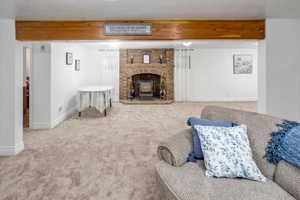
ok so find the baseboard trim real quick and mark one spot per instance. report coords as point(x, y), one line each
point(11, 150)
point(63, 117)
point(221, 100)
point(40, 126)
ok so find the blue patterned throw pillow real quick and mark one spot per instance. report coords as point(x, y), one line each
point(227, 152)
point(192, 121)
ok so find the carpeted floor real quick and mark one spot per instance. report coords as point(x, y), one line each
point(97, 158)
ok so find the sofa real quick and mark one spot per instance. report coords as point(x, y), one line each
point(181, 180)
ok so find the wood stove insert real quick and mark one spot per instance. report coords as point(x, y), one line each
point(146, 85)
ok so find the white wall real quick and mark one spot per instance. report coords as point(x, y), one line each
point(211, 76)
point(262, 75)
point(55, 84)
point(65, 81)
point(104, 69)
point(11, 89)
point(282, 68)
point(40, 107)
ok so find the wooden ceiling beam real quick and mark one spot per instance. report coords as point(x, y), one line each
point(161, 30)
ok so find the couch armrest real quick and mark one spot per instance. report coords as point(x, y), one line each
point(176, 149)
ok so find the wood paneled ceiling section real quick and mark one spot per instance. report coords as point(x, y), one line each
point(161, 30)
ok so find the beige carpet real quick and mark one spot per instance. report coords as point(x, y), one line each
point(97, 158)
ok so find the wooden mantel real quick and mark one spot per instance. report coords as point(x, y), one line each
point(162, 30)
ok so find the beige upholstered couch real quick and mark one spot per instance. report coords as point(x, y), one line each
point(179, 180)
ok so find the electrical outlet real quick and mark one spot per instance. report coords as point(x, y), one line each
point(60, 108)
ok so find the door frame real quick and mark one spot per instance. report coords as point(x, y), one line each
point(26, 46)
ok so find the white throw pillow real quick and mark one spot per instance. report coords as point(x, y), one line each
point(227, 152)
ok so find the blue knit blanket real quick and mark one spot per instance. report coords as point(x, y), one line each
point(284, 144)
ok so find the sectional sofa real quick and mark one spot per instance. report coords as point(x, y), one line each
point(179, 180)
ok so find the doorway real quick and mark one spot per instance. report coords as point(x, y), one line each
point(26, 85)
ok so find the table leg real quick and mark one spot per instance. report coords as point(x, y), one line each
point(104, 96)
point(110, 103)
point(80, 105)
point(90, 96)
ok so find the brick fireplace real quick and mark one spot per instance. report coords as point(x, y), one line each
point(150, 82)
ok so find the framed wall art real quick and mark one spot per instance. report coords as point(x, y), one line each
point(69, 58)
point(242, 64)
point(77, 65)
point(146, 59)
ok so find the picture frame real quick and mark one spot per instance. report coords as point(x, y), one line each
point(77, 65)
point(69, 58)
point(242, 64)
point(146, 59)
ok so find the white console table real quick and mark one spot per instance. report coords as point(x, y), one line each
point(95, 94)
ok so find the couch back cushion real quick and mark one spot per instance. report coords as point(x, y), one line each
point(259, 131)
point(288, 177)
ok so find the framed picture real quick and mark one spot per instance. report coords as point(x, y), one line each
point(146, 59)
point(77, 65)
point(69, 58)
point(242, 64)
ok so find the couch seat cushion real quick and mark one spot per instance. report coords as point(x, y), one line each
point(190, 183)
point(288, 177)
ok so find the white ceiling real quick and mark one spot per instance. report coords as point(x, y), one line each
point(238, 44)
point(147, 9)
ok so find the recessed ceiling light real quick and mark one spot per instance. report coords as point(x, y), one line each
point(187, 44)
